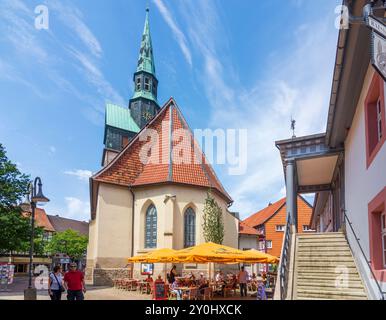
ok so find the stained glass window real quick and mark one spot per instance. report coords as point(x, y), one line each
point(151, 228)
point(189, 228)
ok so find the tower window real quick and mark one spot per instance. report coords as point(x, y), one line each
point(138, 85)
point(147, 84)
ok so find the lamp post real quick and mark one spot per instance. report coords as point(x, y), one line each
point(34, 196)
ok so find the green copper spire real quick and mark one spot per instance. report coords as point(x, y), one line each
point(146, 58)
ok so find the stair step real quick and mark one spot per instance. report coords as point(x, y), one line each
point(323, 254)
point(324, 264)
point(331, 259)
point(347, 294)
point(330, 284)
point(329, 298)
point(325, 277)
point(320, 235)
point(319, 240)
point(331, 244)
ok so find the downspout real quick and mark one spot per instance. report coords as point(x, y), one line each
point(132, 228)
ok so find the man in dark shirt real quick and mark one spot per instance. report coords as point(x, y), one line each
point(74, 283)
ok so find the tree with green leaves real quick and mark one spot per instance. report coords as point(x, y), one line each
point(68, 242)
point(15, 228)
point(213, 226)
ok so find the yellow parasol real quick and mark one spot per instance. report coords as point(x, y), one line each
point(212, 252)
point(157, 256)
point(258, 255)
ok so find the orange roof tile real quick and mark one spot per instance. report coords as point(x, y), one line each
point(246, 229)
point(175, 159)
point(262, 216)
point(41, 219)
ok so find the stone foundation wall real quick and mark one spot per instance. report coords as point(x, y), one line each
point(105, 277)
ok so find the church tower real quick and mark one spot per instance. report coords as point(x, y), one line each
point(122, 124)
point(144, 105)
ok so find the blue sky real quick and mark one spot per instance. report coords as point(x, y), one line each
point(232, 64)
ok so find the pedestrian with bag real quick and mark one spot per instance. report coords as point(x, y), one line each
point(74, 283)
point(55, 284)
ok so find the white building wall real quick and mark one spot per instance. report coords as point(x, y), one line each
point(361, 184)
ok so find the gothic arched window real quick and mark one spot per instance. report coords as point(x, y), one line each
point(151, 227)
point(189, 228)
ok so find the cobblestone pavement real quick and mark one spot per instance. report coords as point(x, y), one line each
point(16, 292)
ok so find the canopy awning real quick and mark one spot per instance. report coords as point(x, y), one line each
point(206, 253)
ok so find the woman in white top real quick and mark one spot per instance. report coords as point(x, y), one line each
point(55, 284)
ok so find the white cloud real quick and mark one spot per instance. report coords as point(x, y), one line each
point(72, 17)
point(296, 83)
point(178, 34)
point(77, 209)
point(82, 175)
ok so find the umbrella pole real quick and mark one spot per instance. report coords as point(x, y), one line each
point(165, 271)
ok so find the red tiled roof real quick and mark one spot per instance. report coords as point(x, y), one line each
point(262, 216)
point(62, 224)
point(41, 219)
point(127, 169)
point(246, 229)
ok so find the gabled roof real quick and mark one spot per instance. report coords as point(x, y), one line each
point(120, 118)
point(127, 169)
point(41, 219)
point(62, 224)
point(246, 229)
point(262, 216)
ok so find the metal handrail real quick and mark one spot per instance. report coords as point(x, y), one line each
point(284, 262)
point(364, 255)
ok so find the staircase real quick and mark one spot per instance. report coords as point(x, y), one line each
point(325, 269)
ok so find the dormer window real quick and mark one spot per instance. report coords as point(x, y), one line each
point(147, 84)
point(138, 84)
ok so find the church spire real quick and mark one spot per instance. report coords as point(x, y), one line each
point(144, 105)
point(146, 57)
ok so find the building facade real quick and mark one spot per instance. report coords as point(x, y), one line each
point(346, 165)
point(271, 222)
point(151, 193)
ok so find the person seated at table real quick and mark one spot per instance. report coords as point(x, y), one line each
point(219, 276)
point(149, 280)
point(172, 275)
point(201, 280)
point(175, 289)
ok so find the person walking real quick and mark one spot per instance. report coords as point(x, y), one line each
point(55, 284)
point(242, 278)
point(172, 275)
point(74, 283)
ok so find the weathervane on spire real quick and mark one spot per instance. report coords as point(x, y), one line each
point(147, 6)
point(293, 124)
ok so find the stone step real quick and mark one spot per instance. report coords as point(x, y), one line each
point(311, 276)
point(332, 244)
point(332, 294)
point(343, 253)
point(328, 298)
point(320, 235)
point(325, 259)
point(324, 270)
point(324, 264)
point(321, 240)
point(331, 284)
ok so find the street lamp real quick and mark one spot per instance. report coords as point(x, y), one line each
point(33, 197)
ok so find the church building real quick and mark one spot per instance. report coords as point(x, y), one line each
point(151, 190)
